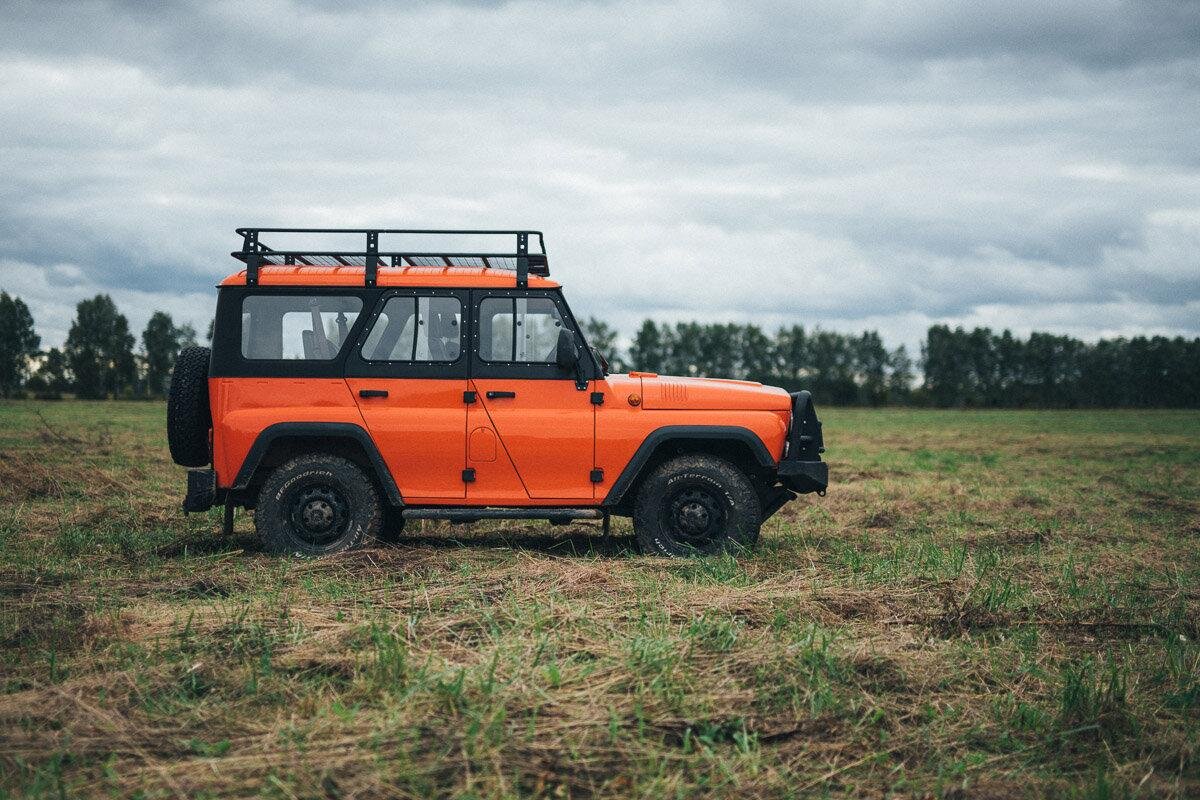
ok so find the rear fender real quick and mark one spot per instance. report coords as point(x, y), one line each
point(284, 438)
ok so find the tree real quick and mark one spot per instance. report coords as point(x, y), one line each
point(870, 368)
point(758, 355)
point(900, 376)
point(52, 375)
point(791, 353)
point(99, 349)
point(647, 352)
point(18, 343)
point(161, 342)
point(600, 336)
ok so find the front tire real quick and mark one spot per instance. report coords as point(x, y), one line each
point(315, 505)
point(696, 505)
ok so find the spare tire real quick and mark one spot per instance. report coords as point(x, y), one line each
point(188, 414)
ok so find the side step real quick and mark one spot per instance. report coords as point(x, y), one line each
point(475, 514)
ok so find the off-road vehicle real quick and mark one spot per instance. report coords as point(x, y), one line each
point(349, 389)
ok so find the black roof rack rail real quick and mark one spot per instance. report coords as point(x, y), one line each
point(255, 253)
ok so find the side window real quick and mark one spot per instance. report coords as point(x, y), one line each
point(519, 329)
point(297, 327)
point(416, 329)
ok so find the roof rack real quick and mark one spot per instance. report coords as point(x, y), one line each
point(256, 254)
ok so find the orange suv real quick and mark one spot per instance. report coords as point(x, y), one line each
point(361, 378)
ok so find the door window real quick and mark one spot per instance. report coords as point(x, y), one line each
point(519, 329)
point(416, 329)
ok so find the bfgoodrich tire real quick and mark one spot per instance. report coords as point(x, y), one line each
point(188, 414)
point(314, 505)
point(696, 505)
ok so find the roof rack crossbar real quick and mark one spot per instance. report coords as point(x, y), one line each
point(255, 254)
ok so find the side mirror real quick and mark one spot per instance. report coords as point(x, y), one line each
point(603, 361)
point(567, 353)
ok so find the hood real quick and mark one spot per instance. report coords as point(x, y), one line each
point(709, 394)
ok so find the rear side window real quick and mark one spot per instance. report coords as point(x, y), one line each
point(519, 329)
point(297, 327)
point(416, 329)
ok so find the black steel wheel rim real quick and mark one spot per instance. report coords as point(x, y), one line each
point(319, 513)
point(694, 516)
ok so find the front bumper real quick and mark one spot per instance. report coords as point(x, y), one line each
point(801, 468)
point(803, 477)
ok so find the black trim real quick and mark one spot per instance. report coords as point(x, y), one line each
point(669, 433)
point(775, 500)
point(359, 367)
point(321, 431)
point(806, 441)
point(528, 370)
point(227, 360)
point(256, 253)
point(476, 513)
point(201, 490)
point(804, 476)
point(597, 398)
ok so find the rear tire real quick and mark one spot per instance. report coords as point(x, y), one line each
point(316, 505)
point(188, 415)
point(696, 505)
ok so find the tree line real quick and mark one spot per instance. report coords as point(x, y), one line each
point(955, 368)
point(100, 358)
point(958, 367)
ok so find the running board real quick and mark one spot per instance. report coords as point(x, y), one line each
point(469, 514)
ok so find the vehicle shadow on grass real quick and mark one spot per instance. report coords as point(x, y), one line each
point(566, 544)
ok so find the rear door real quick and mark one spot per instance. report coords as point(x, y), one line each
point(546, 423)
point(408, 374)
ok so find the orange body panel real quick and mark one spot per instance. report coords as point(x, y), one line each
point(496, 480)
point(243, 407)
point(548, 432)
point(537, 448)
point(447, 277)
point(420, 429)
point(621, 426)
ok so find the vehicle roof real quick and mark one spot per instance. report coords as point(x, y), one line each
point(353, 277)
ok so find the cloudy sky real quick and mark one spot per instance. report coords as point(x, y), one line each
point(885, 165)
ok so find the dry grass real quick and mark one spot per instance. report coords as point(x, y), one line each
point(986, 605)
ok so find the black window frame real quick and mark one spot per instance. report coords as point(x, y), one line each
point(527, 370)
point(227, 360)
point(359, 367)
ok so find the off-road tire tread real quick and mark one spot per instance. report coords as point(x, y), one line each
point(743, 508)
point(360, 491)
point(188, 415)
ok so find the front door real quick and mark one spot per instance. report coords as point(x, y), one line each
point(545, 422)
point(408, 376)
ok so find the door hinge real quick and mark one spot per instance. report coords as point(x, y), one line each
point(597, 475)
point(597, 398)
point(468, 397)
point(469, 475)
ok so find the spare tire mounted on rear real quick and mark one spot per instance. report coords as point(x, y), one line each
point(188, 414)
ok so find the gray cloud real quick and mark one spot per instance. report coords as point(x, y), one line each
point(891, 165)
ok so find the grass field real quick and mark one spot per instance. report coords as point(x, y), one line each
point(987, 604)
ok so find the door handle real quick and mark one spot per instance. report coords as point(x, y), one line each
point(372, 393)
point(494, 395)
